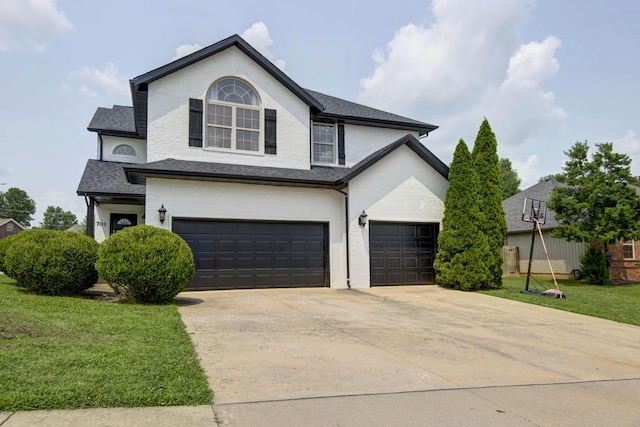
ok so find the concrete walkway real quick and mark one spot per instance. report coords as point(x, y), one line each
point(409, 356)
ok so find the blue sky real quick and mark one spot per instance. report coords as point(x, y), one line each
point(544, 73)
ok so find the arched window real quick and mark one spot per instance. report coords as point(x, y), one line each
point(233, 116)
point(125, 150)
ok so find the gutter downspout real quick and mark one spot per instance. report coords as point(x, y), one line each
point(346, 224)
point(90, 227)
point(101, 143)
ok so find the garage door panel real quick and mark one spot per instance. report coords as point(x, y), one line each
point(402, 253)
point(238, 255)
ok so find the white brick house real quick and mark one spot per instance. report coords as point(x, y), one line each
point(266, 181)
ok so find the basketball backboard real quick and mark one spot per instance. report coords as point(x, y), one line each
point(534, 209)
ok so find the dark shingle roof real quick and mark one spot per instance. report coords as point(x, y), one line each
point(513, 206)
point(107, 179)
point(116, 120)
point(132, 121)
point(350, 111)
point(323, 177)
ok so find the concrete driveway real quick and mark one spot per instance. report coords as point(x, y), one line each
point(409, 356)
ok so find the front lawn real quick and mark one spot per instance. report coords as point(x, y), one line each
point(66, 353)
point(620, 303)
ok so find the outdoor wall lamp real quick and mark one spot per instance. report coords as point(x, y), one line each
point(362, 219)
point(161, 213)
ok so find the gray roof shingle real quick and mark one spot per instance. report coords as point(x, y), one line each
point(107, 179)
point(118, 119)
point(324, 177)
point(342, 109)
point(513, 206)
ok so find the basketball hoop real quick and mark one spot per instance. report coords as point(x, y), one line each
point(534, 209)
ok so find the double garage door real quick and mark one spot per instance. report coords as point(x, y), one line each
point(257, 254)
point(243, 255)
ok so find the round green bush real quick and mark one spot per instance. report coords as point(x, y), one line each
point(4, 245)
point(52, 262)
point(146, 263)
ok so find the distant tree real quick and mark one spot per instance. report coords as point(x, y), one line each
point(494, 222)
point(16, 204)
point(509, 180)
point(462, 246)
point(54, 218)
point(598, 202)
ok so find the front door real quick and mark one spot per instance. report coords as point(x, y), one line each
point(120, 221)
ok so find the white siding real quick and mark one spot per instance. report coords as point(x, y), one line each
point(401, 187)
point(103, 217)
point(191, 199)
point(111, 142)
point(168, 113)
point(361, 141)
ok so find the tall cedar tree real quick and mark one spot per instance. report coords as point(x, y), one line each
point(494, 223)
point(462, 247)
point(598, 201)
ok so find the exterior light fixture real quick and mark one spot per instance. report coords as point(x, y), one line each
point(362, 219)
point(161, 213)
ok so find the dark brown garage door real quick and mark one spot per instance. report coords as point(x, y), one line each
point(402, 253)
point(243, 255)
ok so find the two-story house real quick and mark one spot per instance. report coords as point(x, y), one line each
point(270, 184)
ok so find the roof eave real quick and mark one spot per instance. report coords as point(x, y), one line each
point(139, 176)
point(421, 129)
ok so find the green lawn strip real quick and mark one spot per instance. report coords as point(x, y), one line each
point(620, 303)
point(67, 353)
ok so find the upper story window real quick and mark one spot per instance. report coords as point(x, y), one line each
point(9, 227)
point(125, 150)
point(233, 116)
point(324, 147)
point(628, 250)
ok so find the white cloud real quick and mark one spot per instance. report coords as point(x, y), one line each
point(22, 21)
point(186, 49)
point(528, 170)
point(258, 36)
point(108, 80)
point(630, 145)
point(468, 63)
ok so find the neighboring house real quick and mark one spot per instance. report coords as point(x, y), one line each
point(564, 255)
point(9, 227)
point(271, 185)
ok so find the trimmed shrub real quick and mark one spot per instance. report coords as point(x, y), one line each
point(593, 265)
point(146, 263)
point(4, 245)
point(52, 262)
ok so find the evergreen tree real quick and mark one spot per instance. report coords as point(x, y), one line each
point(509, 180)
point(462, 247)
point(598, 201)
point(494, 222)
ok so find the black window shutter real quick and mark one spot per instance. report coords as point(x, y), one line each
point(195, 122)
point(341, 157)
point(269, 131)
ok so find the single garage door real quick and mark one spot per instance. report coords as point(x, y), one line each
point(402, 253)
point(244, 255)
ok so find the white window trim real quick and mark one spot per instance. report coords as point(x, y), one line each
point(335, 144)
point(233, 149)
point(632, 243)
point(234, 128)
point(136, 156)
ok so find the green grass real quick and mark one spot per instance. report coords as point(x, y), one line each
point(67, 353)
point(620, 303)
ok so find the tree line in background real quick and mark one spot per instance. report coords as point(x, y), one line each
point(16, 204)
